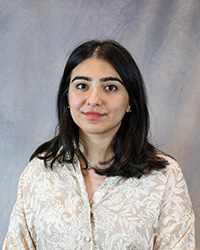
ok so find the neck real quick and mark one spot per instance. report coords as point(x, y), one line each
point(96, 148)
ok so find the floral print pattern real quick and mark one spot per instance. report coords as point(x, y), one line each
point(52, 211)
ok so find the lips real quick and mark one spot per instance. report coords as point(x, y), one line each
point(93, 115)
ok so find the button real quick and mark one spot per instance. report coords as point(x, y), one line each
point(87, 239)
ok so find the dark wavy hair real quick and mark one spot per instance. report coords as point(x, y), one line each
point(133, 154)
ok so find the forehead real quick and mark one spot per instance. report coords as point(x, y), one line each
point(94, 67)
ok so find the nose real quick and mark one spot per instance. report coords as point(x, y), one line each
point(94, 97)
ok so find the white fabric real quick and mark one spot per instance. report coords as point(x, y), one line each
point(53, 212)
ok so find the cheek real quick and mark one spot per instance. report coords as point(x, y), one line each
point(120, 106)
point(116, 107)
point(73, 101)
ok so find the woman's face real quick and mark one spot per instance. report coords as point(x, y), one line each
point(97, 98)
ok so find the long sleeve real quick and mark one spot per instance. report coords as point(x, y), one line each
point(18, 236)
point(176, 220)
point(53, 211)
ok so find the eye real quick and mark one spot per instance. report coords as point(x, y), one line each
point(111, 88)
point(81, 86)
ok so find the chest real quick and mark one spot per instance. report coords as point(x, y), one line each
point(92, 181)
point(120, 215)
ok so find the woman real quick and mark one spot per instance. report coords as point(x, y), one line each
point(99, 183)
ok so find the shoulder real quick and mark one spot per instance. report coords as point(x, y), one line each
point(35, 166)
point(171, 175)
point(37, 173)
point(158, 179)
point(34, 171)
point(175, 184)
point(172, 166)
point(163, 179)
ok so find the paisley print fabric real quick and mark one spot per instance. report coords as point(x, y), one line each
point(52, 211)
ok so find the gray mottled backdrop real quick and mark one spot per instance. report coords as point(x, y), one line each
point(35, 40)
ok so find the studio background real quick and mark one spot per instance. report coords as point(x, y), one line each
point(36, 38)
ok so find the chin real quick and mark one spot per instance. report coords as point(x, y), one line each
point(93, 131)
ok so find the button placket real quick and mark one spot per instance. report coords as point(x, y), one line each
point(88, 239)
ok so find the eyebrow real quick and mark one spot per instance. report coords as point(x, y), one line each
point(86, 78)
point(104, 79)
point(110, 78)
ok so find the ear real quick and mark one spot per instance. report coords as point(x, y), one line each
point(128, 110)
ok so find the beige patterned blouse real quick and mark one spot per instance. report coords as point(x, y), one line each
point(52, 211)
